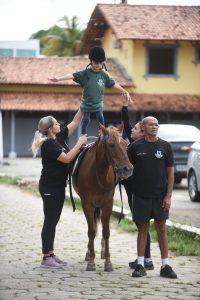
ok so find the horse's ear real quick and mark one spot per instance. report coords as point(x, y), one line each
point(121, 127)
point(103, 128)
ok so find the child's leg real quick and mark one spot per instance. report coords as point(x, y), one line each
point(85, 122)
point(100, 117)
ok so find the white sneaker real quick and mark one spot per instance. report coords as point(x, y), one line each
point(59, 261)
point(49, 263)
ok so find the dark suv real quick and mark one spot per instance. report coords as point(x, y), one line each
point(181, 137)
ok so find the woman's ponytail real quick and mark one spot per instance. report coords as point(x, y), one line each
point(40, 135)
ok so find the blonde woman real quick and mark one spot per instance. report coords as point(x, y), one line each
point(55, 155)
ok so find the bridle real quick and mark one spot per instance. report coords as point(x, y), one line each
point(110, 161)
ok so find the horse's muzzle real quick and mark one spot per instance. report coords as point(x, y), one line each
point(124, 171)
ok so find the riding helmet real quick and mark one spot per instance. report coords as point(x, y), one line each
point(97, 54)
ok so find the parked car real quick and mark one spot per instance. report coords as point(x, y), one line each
point(181, 137)
point(193, 172)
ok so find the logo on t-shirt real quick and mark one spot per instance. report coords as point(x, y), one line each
point(100, 82)
point(158, 154)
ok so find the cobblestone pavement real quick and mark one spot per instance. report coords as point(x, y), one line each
point(182, 211)
point(21, 278)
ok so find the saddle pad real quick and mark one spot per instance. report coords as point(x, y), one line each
point(79, 159)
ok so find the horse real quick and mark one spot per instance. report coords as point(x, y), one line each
point(104, 163)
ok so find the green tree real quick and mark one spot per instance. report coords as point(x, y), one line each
point(60, 41)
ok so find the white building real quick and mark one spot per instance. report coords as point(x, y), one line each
point(29, 48)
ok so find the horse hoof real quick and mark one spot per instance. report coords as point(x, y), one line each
point(91, 267)
point(102, 255)
point(108, 267)
point(87, 257)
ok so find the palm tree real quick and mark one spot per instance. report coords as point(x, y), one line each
point(60, 41)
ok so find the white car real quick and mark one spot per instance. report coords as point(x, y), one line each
point(193, 172)
point(181, 137)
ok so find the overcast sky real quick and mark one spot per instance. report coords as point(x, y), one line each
point(21, 18)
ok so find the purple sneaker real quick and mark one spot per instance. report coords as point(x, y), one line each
point(49, 263)
point(58, 260)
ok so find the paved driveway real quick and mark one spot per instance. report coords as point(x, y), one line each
point(22, 279)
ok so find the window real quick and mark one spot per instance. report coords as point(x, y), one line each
point(25, 53)
point(161, 61)
point(197, 54)
point(6, 52)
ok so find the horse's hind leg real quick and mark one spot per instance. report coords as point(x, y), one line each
point(102, 248)
point(106, 234)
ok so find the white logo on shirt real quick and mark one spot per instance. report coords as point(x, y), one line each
point(158, 154)
point(100, 82)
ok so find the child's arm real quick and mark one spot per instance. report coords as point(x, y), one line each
point(65, 77)
point(124, 92)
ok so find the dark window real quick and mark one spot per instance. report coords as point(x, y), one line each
point(197, 54)
point(161, 61)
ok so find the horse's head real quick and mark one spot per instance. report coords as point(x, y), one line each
point(116, 150)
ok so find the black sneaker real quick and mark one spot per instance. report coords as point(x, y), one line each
point(139, 271)
point(167, 272)
point(133, 264)
point(147, 264)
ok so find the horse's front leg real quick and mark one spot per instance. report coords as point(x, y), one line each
point(106, 235)
point(90, 255)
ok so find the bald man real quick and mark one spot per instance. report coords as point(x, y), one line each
point(153, 182)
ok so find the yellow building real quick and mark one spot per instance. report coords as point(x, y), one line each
point(159, 46)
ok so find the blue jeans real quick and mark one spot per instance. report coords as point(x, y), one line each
point(86, 120)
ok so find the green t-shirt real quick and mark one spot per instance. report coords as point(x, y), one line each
point(94, 84)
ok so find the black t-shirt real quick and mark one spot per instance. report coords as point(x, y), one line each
point(150, 161)
point(54, 173)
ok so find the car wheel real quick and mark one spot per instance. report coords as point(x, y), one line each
point(192, 187)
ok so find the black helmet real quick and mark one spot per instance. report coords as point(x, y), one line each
point(97, 54)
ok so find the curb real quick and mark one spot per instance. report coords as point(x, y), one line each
point(186, 228)
point(126, 214)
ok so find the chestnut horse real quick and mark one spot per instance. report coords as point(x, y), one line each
point(104, 163)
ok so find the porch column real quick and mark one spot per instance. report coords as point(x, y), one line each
point(1, 138)
point(12, 153)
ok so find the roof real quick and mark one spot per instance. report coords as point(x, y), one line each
point(112, 102)
point(35, 71)
point(142, 22)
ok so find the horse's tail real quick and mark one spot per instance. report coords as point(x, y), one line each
point(97, 218)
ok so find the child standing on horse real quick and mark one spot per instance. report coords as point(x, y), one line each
point(94, 79)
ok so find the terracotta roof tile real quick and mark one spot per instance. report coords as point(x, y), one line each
point(146, 22)
point(32, 71)
point(112, 103)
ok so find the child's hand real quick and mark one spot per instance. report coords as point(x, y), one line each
point(127, 96)
point(53, 79)
point(124, 100)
